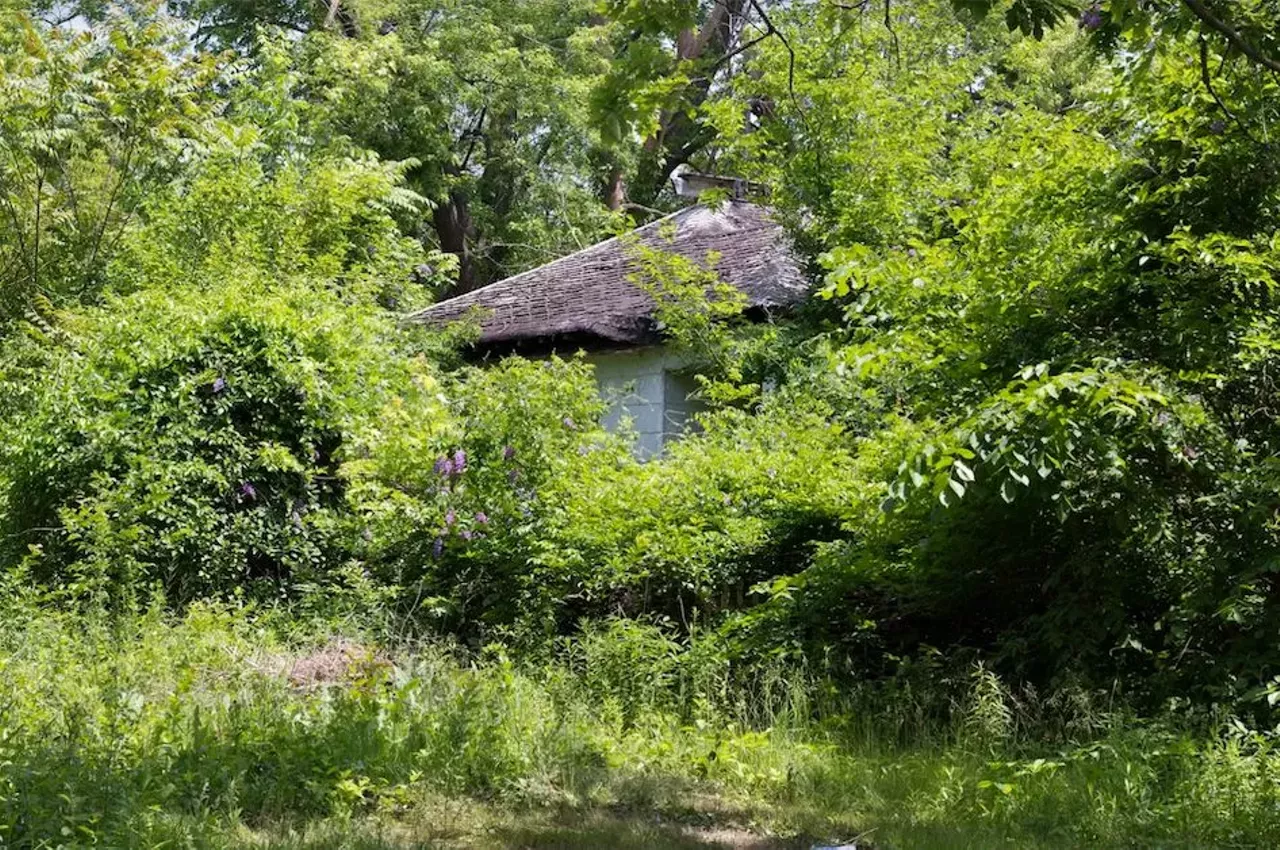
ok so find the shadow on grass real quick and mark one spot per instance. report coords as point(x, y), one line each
point(566, 830)
point(633, 832)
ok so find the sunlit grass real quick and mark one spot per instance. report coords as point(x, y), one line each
point(217, 731)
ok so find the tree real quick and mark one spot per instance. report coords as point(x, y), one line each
point(92, 125)
point(1053, 268)
point(486, 99)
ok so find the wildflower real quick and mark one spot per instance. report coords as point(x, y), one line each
point(248, 491)
point(220, 384)
point(465, 534)
point(1091, 18)
point(459, 462)
point(450, 517)
point(444, 466)
point(570, 424)
point(482, 517)
point(437, 548)
point(509, 453)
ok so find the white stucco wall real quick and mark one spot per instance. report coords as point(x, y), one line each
point(645, 387)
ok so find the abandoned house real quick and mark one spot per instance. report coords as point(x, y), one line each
point(587, 302)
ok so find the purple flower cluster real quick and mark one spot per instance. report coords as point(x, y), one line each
point(219, 384)
point(450, 467)
point(451, 526)
point(1091, 18)
point(248, 491)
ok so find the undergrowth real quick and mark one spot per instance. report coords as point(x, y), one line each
point(233, 728)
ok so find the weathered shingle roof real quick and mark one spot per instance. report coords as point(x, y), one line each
point(587, 294)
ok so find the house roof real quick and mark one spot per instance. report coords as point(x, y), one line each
point(588, 295)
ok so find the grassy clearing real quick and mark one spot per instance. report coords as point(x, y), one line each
point(218, 731)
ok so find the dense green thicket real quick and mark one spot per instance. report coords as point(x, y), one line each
point(1016, 460)
point(1030, 421)
point(1056, 305)
point(196, 443)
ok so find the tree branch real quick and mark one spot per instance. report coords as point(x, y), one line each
point(888, 25)
point(474, 134)
point(1208, 84)
point(1238, 41)
point(770, 29)
point(111, 202)
point(742, 48)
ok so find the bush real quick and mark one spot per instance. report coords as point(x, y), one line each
point(456, 521)
point(734, 505)
point(197, 441)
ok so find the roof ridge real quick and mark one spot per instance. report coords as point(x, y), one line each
point(489, 287)
point(589, 294)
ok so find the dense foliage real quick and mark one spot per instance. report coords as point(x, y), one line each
point(1099, 327)
point(1017, 451)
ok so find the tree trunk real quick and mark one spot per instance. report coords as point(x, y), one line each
point(615, 190)
point(454, 229)
point(499, 186)
point(678, 136)
point(343, 17)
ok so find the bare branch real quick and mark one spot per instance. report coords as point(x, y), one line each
point(111, 202)
point(642, 208)
point(742, 48)
point(332, 15)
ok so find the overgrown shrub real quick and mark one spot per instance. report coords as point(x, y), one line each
point(196, 441)
point(530, 515)
point(456, 520)
point(738, 503)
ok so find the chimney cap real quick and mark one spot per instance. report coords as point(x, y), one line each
point(691, 184)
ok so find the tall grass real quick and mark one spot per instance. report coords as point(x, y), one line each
point(224, 729)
